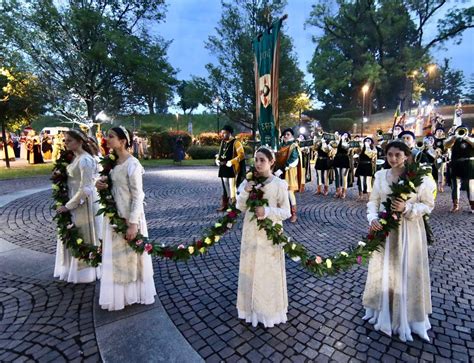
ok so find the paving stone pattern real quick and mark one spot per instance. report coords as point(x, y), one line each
point(324, 314)
point(13, 185)
point(46, 321)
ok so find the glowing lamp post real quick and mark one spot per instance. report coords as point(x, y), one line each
point(365, 89)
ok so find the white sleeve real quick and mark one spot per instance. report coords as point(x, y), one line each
point(86, 185)
point(375, 198)
point(135, 177)
point(242, 196)
point(282, 211)
point(425, 200)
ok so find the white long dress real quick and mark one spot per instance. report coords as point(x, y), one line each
point(262, 293)
point(397, 295)
point(127, 277)
point(82, 196)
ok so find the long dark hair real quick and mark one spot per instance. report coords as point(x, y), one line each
point(81, 137)
point(398, 145)
point(120, 132)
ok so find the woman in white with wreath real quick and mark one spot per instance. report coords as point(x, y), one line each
point(262, 294)
point(127, 277)
point(81, 174)
point(397, 295)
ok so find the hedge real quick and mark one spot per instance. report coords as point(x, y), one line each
point(209, 139)
point(163, 143)
point(203, 152)
point(341, 124)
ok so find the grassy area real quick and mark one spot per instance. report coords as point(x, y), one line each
point(28, 171)
point(168, 162)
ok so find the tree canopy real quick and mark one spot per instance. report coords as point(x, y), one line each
point(232, 77)
point(90, 54)
point(379, 43)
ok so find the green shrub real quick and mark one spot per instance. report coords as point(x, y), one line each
point(209, 139)
point(163, 143)
point(341, 124)
point(203, 152)
point(354, 113)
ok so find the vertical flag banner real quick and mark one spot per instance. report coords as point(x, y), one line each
point(267, 59)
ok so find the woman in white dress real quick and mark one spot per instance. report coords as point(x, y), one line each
point(82, 196)
point(397, 295)
point(127, 277)
point(262, 293)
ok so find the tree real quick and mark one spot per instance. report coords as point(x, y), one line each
point(76, 46)
point(20, 100)
point(445, 85)
point(377, 42)
point(194, 93)
point(150, 76)
point(469, 95)
point(232, 78)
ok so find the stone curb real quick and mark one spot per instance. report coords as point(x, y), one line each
point(154, 336)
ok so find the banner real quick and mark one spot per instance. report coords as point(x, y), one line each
point(267, 58)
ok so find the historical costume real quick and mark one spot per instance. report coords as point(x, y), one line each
point(461, 166)
point(289, 160)
point(10, 150)
point(366, 165)
point(442, 157)
point(83, 207)
point(397, 295)
point(262, 293)
point(58, 145)
point(127, 277)
point(231, 162)
point(33, 146)
point(47, 147)
point(429, 156)
point(322, 166)
point(342, 165)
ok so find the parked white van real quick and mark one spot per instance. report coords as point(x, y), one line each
point(54, 130)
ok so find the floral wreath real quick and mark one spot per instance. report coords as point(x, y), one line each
point(407, 184)
point(341, 261)
point(67, 230)
point(141, 243)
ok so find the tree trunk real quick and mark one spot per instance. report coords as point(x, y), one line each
point(90, 109)
point(151, 106)
point(5, 144)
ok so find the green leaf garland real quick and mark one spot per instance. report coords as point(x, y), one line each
point(141, 243)
point(344, 260)
point(67, 230)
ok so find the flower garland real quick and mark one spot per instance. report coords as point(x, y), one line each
point(141, 243)
point(67, 230)
point(407, 184)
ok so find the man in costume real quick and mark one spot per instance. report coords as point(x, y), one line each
point(441, 157)
point(292, 168)
point(461, 165)
point(231, 163)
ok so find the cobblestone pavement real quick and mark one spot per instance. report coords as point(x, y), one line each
point(13, 185)
point(46, 321)
point(324, 314)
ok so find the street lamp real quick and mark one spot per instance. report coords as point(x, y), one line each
point(177, 121)
point(365, 88)
point(216, 102)
point(431, 69)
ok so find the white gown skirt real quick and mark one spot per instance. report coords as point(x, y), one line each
point(114, 296)
point(67, 270)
